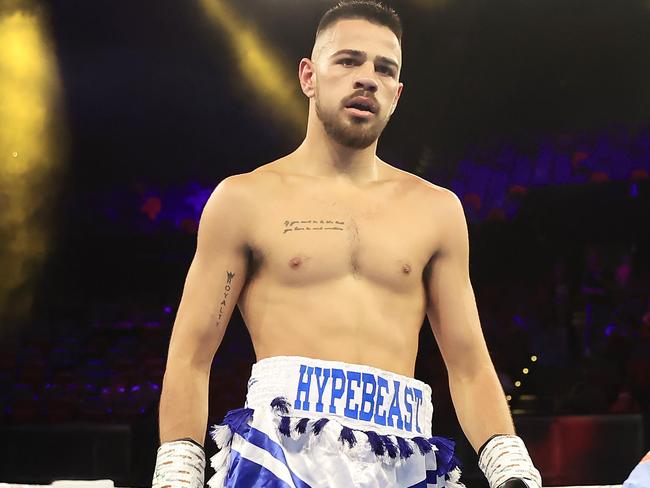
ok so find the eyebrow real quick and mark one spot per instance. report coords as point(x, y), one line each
point(362, 54)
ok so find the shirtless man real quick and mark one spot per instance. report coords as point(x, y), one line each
point(334, 257)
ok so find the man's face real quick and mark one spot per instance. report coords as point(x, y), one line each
point(356, 63)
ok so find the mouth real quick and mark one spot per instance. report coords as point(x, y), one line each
point(361, 107)
point(355, 112)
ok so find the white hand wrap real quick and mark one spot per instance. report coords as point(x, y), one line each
point(179, 463)
point(505, 457)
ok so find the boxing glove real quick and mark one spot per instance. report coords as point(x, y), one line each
point(180, 463)
point(505, 463)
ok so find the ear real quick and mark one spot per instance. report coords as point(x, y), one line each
point(307, 75)
point(396, 99)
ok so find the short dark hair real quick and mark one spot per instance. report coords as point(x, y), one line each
point(370, 10)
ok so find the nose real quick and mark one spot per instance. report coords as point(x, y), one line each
point(365, 81)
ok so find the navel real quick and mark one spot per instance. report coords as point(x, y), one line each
point(406, 269)
point(295, 262)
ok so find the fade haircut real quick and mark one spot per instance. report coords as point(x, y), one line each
point(370, 10)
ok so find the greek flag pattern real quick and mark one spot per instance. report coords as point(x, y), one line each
point(273, 448)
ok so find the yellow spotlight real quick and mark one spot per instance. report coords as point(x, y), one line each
point(508, 397)
point(31, 148)
point(525, 370)
point(517, 384)
point(269, 75)
point(533, 358)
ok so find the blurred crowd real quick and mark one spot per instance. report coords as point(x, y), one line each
point(493, 177)
point(588, 327)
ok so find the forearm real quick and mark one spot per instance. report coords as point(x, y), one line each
point(481, 406)
point(184, 403)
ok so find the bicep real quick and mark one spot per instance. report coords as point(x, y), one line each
point(215, 278)
point(451, 308)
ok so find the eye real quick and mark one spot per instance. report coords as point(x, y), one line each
point(346, 61)
point(387, 70)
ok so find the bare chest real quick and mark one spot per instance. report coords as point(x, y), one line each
point(305, 237)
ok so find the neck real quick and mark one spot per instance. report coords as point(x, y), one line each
point(319, 155)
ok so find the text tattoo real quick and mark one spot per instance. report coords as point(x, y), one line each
point(226, 292)
point(313, 224)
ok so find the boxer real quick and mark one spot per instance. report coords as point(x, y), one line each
point(334, 257)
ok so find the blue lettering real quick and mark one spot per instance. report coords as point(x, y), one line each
point(381, 383)
point(321, 385)
point(337, 391)
point(408, 424)
point(352, 413)
point(303, 387)
point(394, 408)
point(418, 402)
point(367, 397)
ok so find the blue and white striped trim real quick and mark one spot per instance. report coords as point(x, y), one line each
point(265, 464)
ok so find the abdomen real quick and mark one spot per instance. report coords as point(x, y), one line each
point(346, 319)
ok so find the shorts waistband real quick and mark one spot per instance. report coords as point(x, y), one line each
point(356, 395)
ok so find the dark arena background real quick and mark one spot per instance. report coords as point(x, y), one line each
point(118, 119)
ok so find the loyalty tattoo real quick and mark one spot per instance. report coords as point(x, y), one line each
point(314, 224)
point(226, 292)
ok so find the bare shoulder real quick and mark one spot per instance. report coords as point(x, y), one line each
point(238, 194)
point(231, 200)
point(230, 191)
point(242, 188)
point(444, 209)
point(436, 197)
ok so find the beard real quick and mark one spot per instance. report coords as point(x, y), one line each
point(350, 132)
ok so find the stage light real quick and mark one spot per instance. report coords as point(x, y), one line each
point(533, 358)
point(525, 370)
point(517, 384)
point(269, 75)
point(31, 147)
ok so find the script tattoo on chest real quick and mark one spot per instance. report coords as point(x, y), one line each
point(312, 224)
point(226, 292)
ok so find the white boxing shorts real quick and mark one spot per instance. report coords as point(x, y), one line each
point(310, 423)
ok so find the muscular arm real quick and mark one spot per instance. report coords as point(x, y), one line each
point(212, 287)
point(477, 395)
